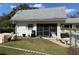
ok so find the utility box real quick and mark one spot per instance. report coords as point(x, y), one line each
point(73, 42)
point(74, 39)
point(3, 39)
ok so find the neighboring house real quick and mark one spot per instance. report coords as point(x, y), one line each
point(43, 22)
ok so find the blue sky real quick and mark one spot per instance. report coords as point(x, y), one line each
point(7, 7)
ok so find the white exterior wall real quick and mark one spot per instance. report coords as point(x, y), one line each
point(22, 28)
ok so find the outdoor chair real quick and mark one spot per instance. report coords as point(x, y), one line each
point(53, 35)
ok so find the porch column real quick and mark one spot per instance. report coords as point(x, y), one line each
point(16, 29)
point(35, 28)
point(58, 31)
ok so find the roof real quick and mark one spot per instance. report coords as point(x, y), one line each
point(40, 14)
point(72, 20)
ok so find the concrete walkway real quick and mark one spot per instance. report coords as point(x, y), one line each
point(26, 50)
point(57, 42)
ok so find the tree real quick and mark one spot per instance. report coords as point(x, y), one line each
point(5, 19)
point(20, 7)
point(23, 7)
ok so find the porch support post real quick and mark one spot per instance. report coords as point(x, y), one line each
point(58, 31)
point(35, 28)
point(16, 29)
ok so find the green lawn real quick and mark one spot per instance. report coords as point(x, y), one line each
point(38, 45)
point(8, 51)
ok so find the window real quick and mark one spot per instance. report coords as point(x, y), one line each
point(66, 26)
point(30, 26)
point(64, 35)
point(77, 26)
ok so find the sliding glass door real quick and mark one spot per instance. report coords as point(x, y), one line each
point(46, 29)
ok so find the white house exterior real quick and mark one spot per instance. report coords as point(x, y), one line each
point(42, 21)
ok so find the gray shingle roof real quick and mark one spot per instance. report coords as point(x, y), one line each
point(72, 20)
point(40, 14)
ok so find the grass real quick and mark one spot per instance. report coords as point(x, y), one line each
point(8, 51)
point(38, 45)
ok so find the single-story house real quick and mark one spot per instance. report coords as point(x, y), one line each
point(43, 22)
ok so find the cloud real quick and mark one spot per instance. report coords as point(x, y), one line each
point(38, 5)
point(70, 10)
point(12, 6)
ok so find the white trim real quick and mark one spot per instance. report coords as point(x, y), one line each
point(58, 31)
